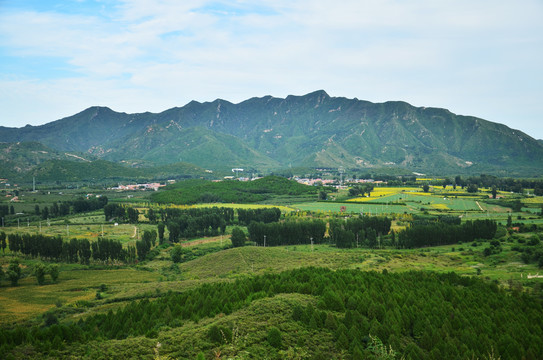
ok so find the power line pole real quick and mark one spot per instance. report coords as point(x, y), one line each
point(264, 240)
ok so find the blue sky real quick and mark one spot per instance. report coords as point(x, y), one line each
point(480, 58)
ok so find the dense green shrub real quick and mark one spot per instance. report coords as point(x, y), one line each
point(274, 337)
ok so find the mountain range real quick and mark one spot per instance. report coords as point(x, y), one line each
point(268, 133)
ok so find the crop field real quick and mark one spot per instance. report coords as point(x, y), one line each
point(366, 208)
point(534, 200)
point(284, 209)
point(383, 193)
point(203, 262)
point(417, 198)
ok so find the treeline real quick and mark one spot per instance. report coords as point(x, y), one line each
point(189, 223)
point(53, 248)
point(358, 231)
point(121, 213)
point(417, 315)
point(77, 206)
point(265, 215)
point(287, 233)
point(504, 184)
point(442, 233)
point(361, 190)
point(6, 210)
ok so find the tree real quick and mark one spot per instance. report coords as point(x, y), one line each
point(494, 191)
point(151, 215)
point(84, 251)
point(37, 209)
point(39, 272)
point(238, 237)
point(322, 195)
point(149, 236)
point(45, 213)
point(175, 231)
point(274, 337)
point(3, 244)
point(133, 215)
point(425, 187)
point(160, 228)
point(472, 188)
point(14, 271)
point(54, 272)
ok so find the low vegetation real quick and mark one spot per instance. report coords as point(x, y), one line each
point(138, 279)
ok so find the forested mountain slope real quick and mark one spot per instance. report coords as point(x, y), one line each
point(314, 130)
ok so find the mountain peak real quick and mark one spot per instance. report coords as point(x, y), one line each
point(312, 130)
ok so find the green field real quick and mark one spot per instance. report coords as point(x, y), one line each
point(366, 208)
point(83, 292)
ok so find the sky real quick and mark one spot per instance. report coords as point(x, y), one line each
point(481, 58)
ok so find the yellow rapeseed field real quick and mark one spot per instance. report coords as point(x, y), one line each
point(381, 192)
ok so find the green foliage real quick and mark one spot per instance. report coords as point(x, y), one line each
point(238, 237)
point(287, 233)
point(274, 337)
point(381, 351)
point(440, 233)
point(3, 243)
point(40, 271)
point(462, 316)
point(190, 191)
point(219, 334)
point(176, 253)
point(14, 271)
point(54, 272)
point(274, 133)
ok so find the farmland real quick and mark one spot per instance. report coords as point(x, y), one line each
point(86, 294)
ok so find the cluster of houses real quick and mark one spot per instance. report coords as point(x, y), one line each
point(150, 186)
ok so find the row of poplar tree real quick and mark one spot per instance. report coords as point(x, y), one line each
point(104, 250)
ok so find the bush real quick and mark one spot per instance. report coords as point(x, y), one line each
point(274, 337)
point(39, 271)
point(54, 272)
point(534, 240)
point(219, 335)
point(176, 254)
point(14, 272)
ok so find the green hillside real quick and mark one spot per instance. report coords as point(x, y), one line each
point(314, 130)
point(196, 191)
point(22, 161)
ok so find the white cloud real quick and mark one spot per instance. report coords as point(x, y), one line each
point(478, 58)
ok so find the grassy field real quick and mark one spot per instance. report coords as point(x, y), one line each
point(74, 285)
point(357, 208)
point(77, 282)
